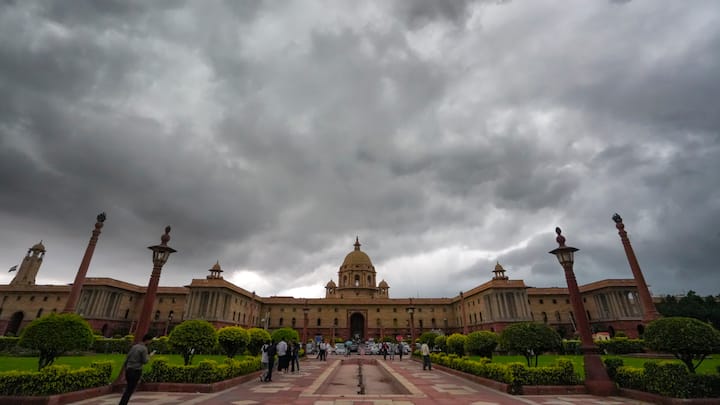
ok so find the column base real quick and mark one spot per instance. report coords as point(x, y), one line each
point(597, 380)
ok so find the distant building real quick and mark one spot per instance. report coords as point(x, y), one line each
point(356, 306)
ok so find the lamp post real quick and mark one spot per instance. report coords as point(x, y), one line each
point(411, 311)
point(649, 311)
point(84, 264)
point(305, 322)
point(161, 253)
point(596, 378)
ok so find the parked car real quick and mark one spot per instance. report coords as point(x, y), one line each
point(340, 349)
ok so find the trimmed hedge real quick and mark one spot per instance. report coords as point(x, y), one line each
point(106, 345)
point(8, 342)
point(514, 374)
point(53, 380)
point(205, 372)
point(669, 379)
point(621, 345)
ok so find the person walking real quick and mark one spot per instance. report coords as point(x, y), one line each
point(400, 350)
point(264, 359)
point(283, 358)
point(134, 362)
point(294, 356)
point(425, 351)
point(271, 351)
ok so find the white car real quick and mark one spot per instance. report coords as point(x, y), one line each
point(340, 349)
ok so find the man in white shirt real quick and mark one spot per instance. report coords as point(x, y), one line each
point(425, 351)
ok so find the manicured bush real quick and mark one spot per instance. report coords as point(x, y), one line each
point(612, 364)
point(191, 337)
point(54, 334)
point(456, 344)
point(233, 340)
point(690, 340)
point(514, 374)
point(664, 378)
point(530, 339)
point(441, 343)
point(621, 345)
point(205, 372)
point(103, 345)
point(481, 343)
point(288, 334)
point(570, 347)
point(7, 343)
point(160, 345)
point(428, 337)
point(257, 338)
point(53, 380)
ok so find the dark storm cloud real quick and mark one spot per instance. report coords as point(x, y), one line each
point(447, 135)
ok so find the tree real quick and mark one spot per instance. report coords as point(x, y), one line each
point(233, 340)
point(456, 344)
point(257, 338)
point(54, 334)
point(481, 343)
point(687, 338)
point(428, 337)
point(191, 336)
point(530, 339)
point(288, 334)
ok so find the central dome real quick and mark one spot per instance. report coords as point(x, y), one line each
point(357, 257)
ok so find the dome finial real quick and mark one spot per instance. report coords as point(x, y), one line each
point(357, 243)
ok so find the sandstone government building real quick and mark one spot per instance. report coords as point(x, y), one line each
point(356, 305)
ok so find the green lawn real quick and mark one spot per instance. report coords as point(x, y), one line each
point(31, 363)
point(708, 366)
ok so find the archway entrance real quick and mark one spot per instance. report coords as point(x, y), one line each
point(357, 326)
point(14, 324)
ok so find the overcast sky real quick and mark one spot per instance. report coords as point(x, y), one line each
point(447, 135)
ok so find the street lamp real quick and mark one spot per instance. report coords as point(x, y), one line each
point(161, 253)
point(411, 311)
point(305, 323)
point(596, 378)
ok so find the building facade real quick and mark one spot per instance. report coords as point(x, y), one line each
point(356, 306)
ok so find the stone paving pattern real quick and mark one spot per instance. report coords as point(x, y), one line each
point(426, 387)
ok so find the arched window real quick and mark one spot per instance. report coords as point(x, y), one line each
point(157, 315)
point(432, 321)
point(335, 322)
point(344, 280)
point(357, 281)
point(293, 322)
point(369, 281)
point(557, 315)
point(420, 323)
point(281, 321)
point(319, 322)
point(481, 317)
point(379, 324)
point(544, 316)
point(395, 322)
point(39, 313)
point(588, 314)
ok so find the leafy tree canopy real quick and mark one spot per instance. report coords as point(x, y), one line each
point(288, 334)
point(233, 340)
point(481, 343)
point(257, 336)
point(688, 339)
point(428, 337)
point(192, 336)
point(54, 334)
point(456, 344)
point(530, 339)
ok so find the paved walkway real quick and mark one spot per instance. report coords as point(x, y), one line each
point(424, 387)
